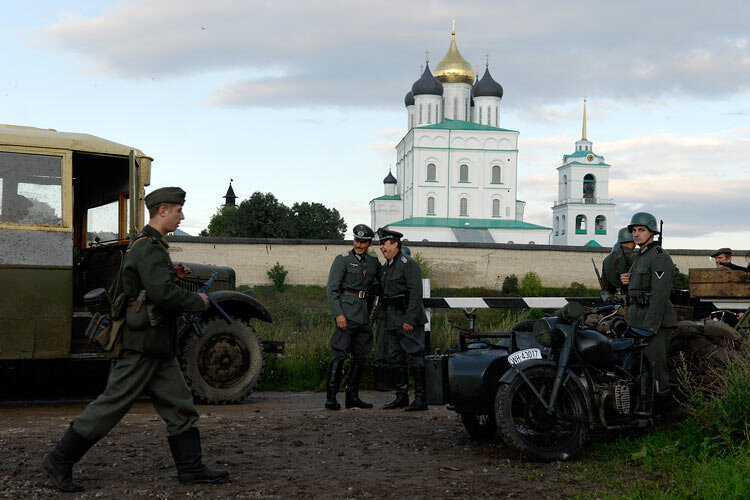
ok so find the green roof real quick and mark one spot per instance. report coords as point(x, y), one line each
point(579, 154)
point(388, 197)
point(466, 223)
point(589, 164)
point(463, 125)
point(592, 243)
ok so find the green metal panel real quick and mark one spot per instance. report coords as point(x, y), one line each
point(36, 312)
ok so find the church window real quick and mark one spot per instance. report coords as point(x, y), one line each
point(466, 116)
point(563, 226)
point(581, 224)
point(464, 206)
point(497, 116)
point(429, 113)
point(496, 174)
point(420, 113)
point(557, 226)
point(589, 189)
point(463, 173)
point(431, 205)
point(431, 172)
point(565, 187)
point(480, 115)
point(455, 108)
point(496, 208)
point(600, 224)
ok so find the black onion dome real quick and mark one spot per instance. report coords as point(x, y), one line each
point(427, 84)
point(389, 179)
point(409, 99)
point(487, 87)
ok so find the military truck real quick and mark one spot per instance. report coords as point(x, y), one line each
point(69, 205)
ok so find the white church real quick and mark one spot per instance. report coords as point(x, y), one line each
point(456, 168)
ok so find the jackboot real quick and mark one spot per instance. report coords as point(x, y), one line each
point(402, 390)
point(188, 458)
point(335, 372)
point(419, 403)
point(58, 464)
point(378, 373)
point(352, 387)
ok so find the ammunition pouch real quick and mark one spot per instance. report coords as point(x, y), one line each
point(642, 299)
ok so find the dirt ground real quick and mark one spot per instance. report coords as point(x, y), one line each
point(284, 445)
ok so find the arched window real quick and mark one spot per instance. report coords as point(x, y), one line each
point(455, 108)
point(496, 208)
point(431, 172)
point(557, 226)
point(581, 224)
point(565, 187)
point(420, 114)
point(430, 205)
point(600, 224)
point(464, 206)
point(429, 113)
point(563, 226)
point(589, 189)
point(480, 114)
point(463, 173)
point(496, 174)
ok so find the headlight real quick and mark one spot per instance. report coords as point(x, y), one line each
point(570, 313)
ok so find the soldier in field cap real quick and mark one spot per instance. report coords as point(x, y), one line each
point(350, 280)
point(147, 363)
point(403, 318)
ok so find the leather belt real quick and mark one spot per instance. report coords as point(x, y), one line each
point(360, 294)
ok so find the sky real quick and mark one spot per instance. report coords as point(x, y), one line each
point(305, 99)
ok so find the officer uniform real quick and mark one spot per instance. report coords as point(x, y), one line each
point(348, 290)
point(147, 364)
point(618, 262)
point(648, 292)
point(401, 303)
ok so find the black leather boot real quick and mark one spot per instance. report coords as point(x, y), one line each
point(419, 403)
point(335, 372)
point(352, 387)
point(58, 464)
point(378, 373)
point(188, 458)
point(402, 390)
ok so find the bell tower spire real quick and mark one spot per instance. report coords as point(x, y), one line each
point(583, 135)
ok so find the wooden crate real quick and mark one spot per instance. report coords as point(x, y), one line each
point(718, 283)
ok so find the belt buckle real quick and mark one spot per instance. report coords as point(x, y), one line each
point(361, 294)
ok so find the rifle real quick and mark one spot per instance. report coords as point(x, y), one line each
point(195, 318)
point(735, 267)
point(598, 276)
point(625, 261)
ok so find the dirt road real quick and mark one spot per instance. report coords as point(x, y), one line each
point(283, 445)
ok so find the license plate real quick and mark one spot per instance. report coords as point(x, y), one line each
point(526, 354)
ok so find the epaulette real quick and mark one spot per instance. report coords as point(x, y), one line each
point(344, 254)
point(140, 237)
point(404, 259)
point(659, 249)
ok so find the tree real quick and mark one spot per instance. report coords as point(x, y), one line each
point(531, 285)
point(222, 223)
point(263, 216)
point(316, 222)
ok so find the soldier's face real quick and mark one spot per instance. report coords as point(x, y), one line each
point(642, 235)
point(360, 247)
point(722, 257)
point(389, 248)
point(173, 217)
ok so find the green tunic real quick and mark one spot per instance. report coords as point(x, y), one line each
point(402, 276)
point(148, 267)
point(616, 263)
point(350, 273)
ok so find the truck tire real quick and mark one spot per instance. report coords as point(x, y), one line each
point(479, 427)
point(525, 424)
point(222, 366)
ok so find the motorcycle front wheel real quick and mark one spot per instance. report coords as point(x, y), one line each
point(537, 434)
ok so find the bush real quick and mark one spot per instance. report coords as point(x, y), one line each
point(681, 281)
point(277, 275)
point(510, 285)
point(424, 264)
point(576, 289)
point(531, 285)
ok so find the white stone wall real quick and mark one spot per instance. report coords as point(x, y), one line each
point(455, 99)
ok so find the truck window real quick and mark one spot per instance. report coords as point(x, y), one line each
point(104, 222)
point(31, 189)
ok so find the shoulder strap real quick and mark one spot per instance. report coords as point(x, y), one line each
point(137, 240)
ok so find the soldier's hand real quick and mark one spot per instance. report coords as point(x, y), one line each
point(625, 278)
point(205, 299)
point(408, 328)
point(182, 270)
point(341, 322)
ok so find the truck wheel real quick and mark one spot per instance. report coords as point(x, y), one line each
point(222, 366)
point(479, 427)
point(526, 426)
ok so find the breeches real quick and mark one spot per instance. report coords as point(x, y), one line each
point(656, 351)
point(131, 375)
point(356, 339)
point(381, 345)
point(406, 349)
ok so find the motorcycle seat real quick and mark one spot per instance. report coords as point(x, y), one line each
point(622, 344)
point(642, 332)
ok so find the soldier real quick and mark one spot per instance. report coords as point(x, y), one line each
point(722, 255)
point(380, 361)
point(352, 275)
point(618, 262)
point(649, 284)
point(403, 316)
point(147, 363)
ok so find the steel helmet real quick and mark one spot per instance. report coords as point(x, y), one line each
point(624, 235)
point(644, 219)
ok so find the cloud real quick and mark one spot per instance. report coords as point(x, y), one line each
point(348, 53)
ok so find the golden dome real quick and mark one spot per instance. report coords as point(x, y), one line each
point(453, 68)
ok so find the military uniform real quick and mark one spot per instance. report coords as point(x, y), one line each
point(616, 263)
point(147, 363)
point(349, 295)
point(401, 303)
point(648, 291)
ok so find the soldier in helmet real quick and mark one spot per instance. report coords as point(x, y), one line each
point(349, 282)
point(618, 262)
point(649, 284)
point(403, 318)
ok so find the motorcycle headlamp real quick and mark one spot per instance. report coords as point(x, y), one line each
point(571, 312)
